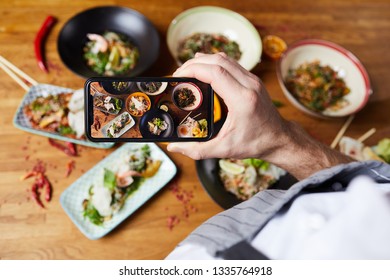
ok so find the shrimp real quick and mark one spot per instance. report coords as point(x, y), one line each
point(101, 44)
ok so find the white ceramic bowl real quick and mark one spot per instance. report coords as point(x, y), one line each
point(341, 60)
point(209, 19)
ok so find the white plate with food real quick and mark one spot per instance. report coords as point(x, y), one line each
point(118, 126)
point(55, 112)
point(191, 127)
point(116, 187)
point(152, 87)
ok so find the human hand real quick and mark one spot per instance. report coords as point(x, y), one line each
point(253, 127)
point(252, 123)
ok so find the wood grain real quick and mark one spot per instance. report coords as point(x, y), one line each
point(28, 232)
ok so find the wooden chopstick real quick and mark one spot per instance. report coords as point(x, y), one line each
point(185, 118)
point(18, 71)
point(197, 115)
point(366, 135)
point(14, 77)
point(342, 131)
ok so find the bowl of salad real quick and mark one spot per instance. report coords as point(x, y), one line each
point(209, 29)
point(108, 41)
point(323, 79)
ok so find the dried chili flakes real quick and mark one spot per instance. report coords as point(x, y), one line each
point(184, 197)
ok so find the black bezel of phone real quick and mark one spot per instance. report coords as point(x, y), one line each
point(89, 118)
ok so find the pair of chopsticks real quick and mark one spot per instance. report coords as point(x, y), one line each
point(344, 128)
point(188, 116)
point(16, 74)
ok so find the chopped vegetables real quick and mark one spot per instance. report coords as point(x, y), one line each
point(207, 43)
point(244, 178)
point(383, 149)
point(184, 97)
point(110, 54)
point(150, 87)
point(317, 87)
point(157, 126)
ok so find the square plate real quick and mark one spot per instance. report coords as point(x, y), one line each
point(21, 121)
point(72, 198)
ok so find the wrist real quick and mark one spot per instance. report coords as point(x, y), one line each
point(299, 154)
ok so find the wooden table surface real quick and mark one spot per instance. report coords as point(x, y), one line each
point(28, 232)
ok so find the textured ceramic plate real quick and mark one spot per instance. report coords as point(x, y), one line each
point(21, 121)
point(123, 130)
point(72, 198)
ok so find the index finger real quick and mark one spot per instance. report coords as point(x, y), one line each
point(218, 77)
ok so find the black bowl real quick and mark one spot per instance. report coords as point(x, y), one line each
point(155, 113)
point(139, 30)
point(208, 174)
point(109, 87)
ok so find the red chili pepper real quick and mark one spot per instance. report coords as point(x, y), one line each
point(69, 168)
point(48, 189)
point(40, 39)
point(35, 195)
point(72, 148)
point(28, 175)
point(69, 149)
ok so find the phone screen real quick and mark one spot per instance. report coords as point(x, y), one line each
point(148, 109)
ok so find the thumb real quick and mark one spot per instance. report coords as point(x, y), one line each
point(195, 150)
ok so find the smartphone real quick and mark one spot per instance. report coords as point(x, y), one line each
point(148, 109)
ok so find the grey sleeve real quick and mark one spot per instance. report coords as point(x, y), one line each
point(247, 218)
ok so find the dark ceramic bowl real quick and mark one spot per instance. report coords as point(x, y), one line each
point(130, 23)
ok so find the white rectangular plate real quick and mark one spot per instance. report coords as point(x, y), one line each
point(72, 198)
point(21, 121)
point(123, 130)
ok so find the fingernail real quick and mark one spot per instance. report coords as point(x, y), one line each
point(171, 147)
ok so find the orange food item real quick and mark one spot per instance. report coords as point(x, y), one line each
point(217, 109)
point(274, 46)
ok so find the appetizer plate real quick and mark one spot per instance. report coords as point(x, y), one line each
point(139, 30)
point(216, 20)
point(208, 174)
point(149, 116)
point(72, 198)
point(103, 109)
point(160, 90)
point(195, 90)
point(341, 60)
point(123, 130)
point(21, 121)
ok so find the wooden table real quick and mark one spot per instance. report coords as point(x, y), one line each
point(28, 232)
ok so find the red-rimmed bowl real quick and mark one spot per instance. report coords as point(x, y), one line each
point(195, 90)
point(341, 60)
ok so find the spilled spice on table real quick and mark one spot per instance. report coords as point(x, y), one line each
point(184, 197)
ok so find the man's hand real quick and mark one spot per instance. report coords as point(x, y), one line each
point(253, 127)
